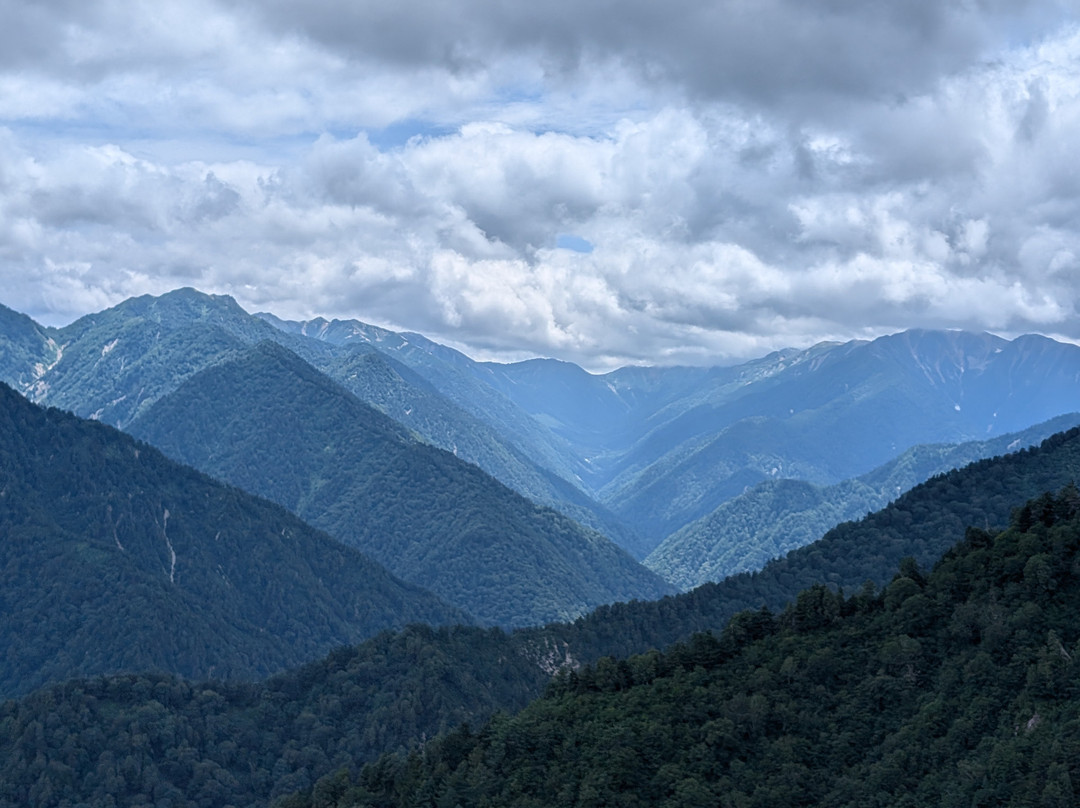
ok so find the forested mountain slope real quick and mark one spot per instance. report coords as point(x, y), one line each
point(115, 558)
point(451, 373)
point(113, 364)
point(923, 523)
point(835, 412)
point(271, 424)
point(662, 447)
point(777, 516)
point(957, 689)
point(874, 699)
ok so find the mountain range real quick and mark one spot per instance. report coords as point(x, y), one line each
point(637, 454)
point(271, 424)
point(662, 447)
point(777, 516)
point(935, 669)
point(116, 558)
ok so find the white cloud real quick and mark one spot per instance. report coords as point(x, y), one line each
point(774, 174)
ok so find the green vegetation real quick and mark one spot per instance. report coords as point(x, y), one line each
point(113, 365)
point(827, 698)
point(26, 349)
point(271, 424)
point(923, 523)
point(114, 558)
point(153, 739)
point(777, 516)
point(957, 689)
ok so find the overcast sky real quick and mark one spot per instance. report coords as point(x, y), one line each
point(604, 181)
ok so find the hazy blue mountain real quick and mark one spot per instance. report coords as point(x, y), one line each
point(662, 447)
point(452, 374)
point(836, 412)
point(113, 364)
point(115, 558)
point(777, 516)
point(649, 448)
point(271, 424)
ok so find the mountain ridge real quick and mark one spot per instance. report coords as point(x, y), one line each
point(429, 517)
point(777, 516)
point(116, 558)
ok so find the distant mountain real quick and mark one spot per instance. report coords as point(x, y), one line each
point(835, 412)
point(114, 558)
point(271, 424)
point(112, 365)
point(777, 516)
point(663, 447)
point(637, 453)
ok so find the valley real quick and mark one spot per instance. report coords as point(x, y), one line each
point(471, 530)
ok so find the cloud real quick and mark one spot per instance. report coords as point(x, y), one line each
point(747, 176)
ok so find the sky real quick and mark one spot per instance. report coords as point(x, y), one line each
point(607, 182)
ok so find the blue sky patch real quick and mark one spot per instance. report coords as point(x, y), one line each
point(568, 241)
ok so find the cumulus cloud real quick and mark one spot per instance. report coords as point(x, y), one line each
point(748, 176)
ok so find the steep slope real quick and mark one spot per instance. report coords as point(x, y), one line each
point(775, 517)
point(957, 689)
point(836, 412)
point(410, 399)
point(27, 349)
point(113, 364)
point(452, 374)
point(114, 558)
point(273, 425)
point(451, 401)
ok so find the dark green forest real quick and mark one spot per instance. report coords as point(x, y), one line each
point(430, 518)
point(114, 558)
point(154, 739)
point(957, 688)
